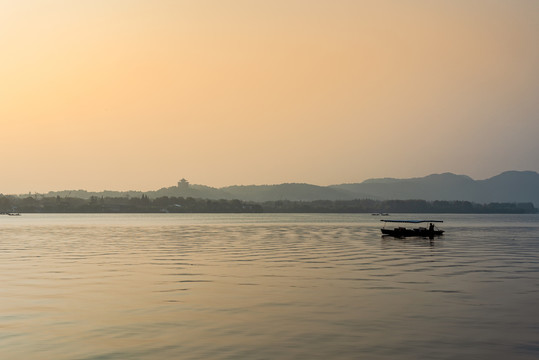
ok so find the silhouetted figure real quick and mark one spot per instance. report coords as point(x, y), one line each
point(431, 227)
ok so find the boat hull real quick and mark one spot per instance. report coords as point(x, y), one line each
point(404, 232)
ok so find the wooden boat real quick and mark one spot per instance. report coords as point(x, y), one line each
point(402, 231)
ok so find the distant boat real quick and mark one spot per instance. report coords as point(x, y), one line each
point(402, 231)
point(380, 214)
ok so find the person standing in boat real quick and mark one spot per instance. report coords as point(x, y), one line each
point(431, 227)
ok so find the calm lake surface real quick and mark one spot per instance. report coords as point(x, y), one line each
point(266, 286)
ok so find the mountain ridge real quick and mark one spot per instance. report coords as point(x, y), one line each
point(508, 186)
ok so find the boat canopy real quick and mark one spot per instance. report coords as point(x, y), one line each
point(413, 221)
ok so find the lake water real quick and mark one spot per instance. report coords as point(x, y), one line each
point(266, 286)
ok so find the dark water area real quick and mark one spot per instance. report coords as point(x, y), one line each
point(267, 286)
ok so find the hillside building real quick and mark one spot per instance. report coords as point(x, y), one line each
point(183, 184)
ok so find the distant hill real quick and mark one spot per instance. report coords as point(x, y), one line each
point(445, 186)
point(510, 186)
point(297, 192)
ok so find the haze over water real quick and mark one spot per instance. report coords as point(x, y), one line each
point(266, 286)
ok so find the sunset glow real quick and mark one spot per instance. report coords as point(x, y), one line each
point(138, 94)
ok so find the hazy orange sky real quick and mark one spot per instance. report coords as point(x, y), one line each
point(127, 94)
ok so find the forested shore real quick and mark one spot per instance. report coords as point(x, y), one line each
point(165, 204)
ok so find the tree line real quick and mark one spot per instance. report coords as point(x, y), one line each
point(166, 204)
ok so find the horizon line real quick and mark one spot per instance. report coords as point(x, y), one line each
point(267, 184)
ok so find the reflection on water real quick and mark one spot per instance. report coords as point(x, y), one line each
point(265, 287)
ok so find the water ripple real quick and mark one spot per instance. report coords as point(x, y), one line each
point(131, 287)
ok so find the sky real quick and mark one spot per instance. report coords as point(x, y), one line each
point(135, 95)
